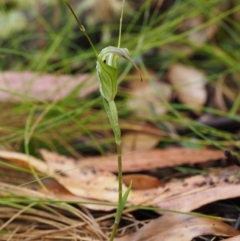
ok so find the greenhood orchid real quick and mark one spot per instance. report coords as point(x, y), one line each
point(107, 71)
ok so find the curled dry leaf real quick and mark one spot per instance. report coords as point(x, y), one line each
point(24, 160)
point(85, 181)
point(45, 86)
point(133, 141)
point(59, 192)
point(140, 181)
point(189, 84)
point(180, 227)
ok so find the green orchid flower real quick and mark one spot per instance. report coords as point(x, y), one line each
point(107, 70)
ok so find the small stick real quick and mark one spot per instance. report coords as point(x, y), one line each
point(232, 157)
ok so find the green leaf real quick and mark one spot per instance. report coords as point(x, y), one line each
point(121, 205)
point(107, 78)
point(112, 113)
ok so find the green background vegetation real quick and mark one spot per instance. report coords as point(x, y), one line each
point(42, 36)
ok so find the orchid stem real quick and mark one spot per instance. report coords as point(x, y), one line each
point(114, 230)
point(111, 110)
point(119, 153)
point(117, 217)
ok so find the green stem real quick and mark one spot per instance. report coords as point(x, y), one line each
point(114, 230)
point(111, 110)
point(119, 153)
point(117, 217)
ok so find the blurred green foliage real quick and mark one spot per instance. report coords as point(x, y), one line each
point(42, 36)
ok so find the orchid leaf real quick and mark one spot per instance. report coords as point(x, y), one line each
point(121, 205)
point(111, 110)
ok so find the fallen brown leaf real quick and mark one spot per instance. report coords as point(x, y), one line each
point(140, 181)
point(59, 192)
point(219, 99)
point(133, 141)
point(184, 195)
point(143, 127)
point(201, 36)
point(193, 192)
point(189, 84)
point(86, 181)
point(180, 227)
point(138, 161)
point(45, 86)
point(24, 160)
point(89, 183)
point(142, 95)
